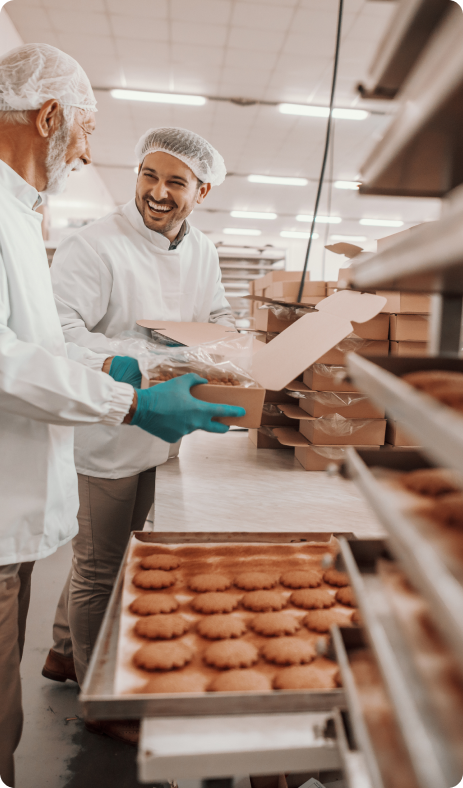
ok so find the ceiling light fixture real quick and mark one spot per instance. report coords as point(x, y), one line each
point(252, 215)
point(322, 112)
point(237, 231)
point(381, 223)
point(279, 181)
point(296, 234)
point(349, 238)
point(353, 185)
point(302, 217)
point(159, 98)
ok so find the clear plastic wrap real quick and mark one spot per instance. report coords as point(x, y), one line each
point(353, 343)
point(271, 409)
point(329, 370)
point(331, 399)
point(330, 452)
point(339, 425)
point(287, 312)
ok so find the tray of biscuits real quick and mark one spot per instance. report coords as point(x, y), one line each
point(220, 623)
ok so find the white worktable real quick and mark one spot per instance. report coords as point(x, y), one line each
point(222, 482)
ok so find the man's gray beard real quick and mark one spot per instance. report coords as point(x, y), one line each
point(56, 168)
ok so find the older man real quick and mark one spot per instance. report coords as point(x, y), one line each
point(144, 260)
point(47, 386)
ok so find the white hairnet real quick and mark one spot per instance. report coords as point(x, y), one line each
point(196, 152)
point(32, 74)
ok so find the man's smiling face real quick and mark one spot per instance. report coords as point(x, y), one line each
point(167, 191)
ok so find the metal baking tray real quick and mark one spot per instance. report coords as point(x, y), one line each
point(98, 697)
point(426, 564)
point(431, 757)
point(437, 428)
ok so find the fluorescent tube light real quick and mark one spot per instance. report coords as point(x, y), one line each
point(353, 185)
point(296, 234)
point(381, 223)
point(159, 98)
point(349, 238)
point(322, 219)
point(322, 112)
point(252, 215)
point(237, 231)
point(277, 180)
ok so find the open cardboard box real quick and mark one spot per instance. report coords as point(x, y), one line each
point(312, 458)
point(315, 379)
point(370, 433)
point(357, 406)
point(282, 360)
point(405, 348)
point(372, 347)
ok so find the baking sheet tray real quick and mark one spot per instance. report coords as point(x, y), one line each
point(99, 697)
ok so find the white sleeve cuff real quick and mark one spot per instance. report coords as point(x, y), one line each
point(96, 361)
point(119, 405)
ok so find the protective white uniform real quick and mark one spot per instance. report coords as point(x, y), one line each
point(106, 277)
point(42, 393)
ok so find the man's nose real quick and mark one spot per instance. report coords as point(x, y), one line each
point(160, 191)
point(86, 157)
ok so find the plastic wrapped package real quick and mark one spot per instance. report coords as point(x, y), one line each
point(287, 312)
point(332, 399)
point(337, 425)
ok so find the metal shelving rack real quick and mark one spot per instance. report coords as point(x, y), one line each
point(240, 265)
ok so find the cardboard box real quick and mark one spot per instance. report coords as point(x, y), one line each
point(411, 328)
point(279, 276)
point(397, 435)
point(312, 458)
point(308, 300)
point(408, 303)
point(377, 328)
point(278, 396)
point(315, 378)
point(366, 432)
point(282, 360)
point(266, 320)
point(409, 348)
point(325, 403)
point(276, 418)
point(291, 289)
point(371, 347)
point(261, 440)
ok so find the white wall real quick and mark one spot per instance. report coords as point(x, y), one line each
point(86, 197)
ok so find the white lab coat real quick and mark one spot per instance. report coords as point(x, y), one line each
point(107, 276)
point(43, 393)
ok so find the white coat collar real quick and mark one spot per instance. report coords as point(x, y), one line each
point(132, 213)
point(23, 191)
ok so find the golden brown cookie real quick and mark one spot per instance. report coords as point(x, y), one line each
point(450, 396)
point(264, 601)
point(431, 481)
point(255, 581)
point(221, 627)
point(153, 578)
point(447, 510)
point(231, 654)
point(151, 604)
point(176, 682)
point(215, 602)
point(431, 379)
point(241, 681)
point(289, 651)
point(160, 561)
point(203, 583)
point(321, 674)
point(323, 620)
point(301, 579)
point(312, 598)
point(335, 578)
point(275, 624)
point(162, 656)
point(161, 627)
point(346, 596)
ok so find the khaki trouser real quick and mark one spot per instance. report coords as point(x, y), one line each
point(110, 509)
point(15, 592)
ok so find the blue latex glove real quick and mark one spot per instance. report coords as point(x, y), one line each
point(169, 411)
point(125, 369)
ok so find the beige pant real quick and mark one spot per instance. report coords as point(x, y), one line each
point(15, 592)
point(110, 509)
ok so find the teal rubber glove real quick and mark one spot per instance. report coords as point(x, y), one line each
point(125, 369)
point(169, 411)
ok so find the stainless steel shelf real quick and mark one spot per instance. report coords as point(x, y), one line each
point(421, 152)
point(422, 560)
point(426, 744)
point(437, 428)
point(409, 31)
point(428, 258)
point(353, 760)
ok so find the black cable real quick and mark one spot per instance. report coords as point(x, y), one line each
point(327, 145)
point(330, 196)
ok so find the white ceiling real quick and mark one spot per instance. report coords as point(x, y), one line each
point(273, 51)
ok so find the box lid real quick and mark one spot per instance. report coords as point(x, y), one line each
point(189, 334)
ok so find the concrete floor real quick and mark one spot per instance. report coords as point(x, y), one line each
point(56, 751)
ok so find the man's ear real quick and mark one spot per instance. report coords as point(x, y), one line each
point(203, 191)
point(48, 118)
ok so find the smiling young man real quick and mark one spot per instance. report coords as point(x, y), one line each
point(144, 260)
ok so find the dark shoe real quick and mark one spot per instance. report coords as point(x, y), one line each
point(127, 731)
point(59, 668)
